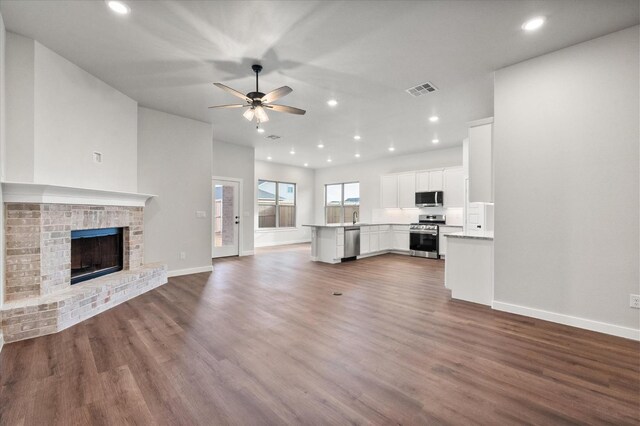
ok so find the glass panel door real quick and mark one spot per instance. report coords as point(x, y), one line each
point(226, 218)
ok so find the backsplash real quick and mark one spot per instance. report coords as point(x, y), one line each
point(454, 215)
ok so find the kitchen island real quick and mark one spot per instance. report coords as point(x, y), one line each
point(328, 241)
point(468, 271)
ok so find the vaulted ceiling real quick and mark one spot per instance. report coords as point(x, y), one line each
point(166, 54)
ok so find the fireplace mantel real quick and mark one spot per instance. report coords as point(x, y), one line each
point(21, 192)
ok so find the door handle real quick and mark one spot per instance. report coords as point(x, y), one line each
point(237, 222)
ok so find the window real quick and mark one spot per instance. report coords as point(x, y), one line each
point(341, 201)
point(276, 204)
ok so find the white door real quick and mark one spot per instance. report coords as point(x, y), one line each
point(226, 218)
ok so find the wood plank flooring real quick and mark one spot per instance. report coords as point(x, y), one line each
point(261, 340)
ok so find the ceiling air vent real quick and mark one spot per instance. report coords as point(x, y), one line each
point(273, 137)
point(421, 89)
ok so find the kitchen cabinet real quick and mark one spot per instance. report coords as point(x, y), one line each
point(370, 236)
point(442, 240)
point(400, 238)
point(422, 181)
point(364, 240)
point(454, 187)
point(407, 190)
point(481, 161)
point(430, 180)
point(385, 237)
point(328, 241)
point(389, 191)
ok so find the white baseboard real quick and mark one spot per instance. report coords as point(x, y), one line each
point(189, 271)
point(283, 243)
point(247, 253)
point(601, 327)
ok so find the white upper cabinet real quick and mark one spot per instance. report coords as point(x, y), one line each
point(454, 187)
point(422, 181)
point(429, 181)
point(480, 162)
point(407, 190)
point(389, 191)
point(435, 180)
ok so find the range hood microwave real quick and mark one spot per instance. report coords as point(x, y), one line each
point(429, 199)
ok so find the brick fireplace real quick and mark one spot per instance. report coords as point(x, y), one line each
point(39, 297)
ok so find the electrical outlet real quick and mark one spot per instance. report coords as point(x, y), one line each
point(634, 301)
point(183, 255)
point(201, 213)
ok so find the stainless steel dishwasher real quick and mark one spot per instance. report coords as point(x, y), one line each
point(351, 242)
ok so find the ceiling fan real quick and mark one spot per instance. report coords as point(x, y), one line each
point(257, 101)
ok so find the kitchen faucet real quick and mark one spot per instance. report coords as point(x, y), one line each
point(355, 217)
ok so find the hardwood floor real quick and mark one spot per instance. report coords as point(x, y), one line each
point(261, 340)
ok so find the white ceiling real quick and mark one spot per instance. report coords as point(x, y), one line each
point(165, 55)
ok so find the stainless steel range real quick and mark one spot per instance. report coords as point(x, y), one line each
point(424, 235)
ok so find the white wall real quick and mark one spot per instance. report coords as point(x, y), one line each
point(2, 151)
point(566, 184)
point(238, 161)
point(304, 179)
point(19, 100)
point(368, 174)
point(59, 115)
point(174, 156)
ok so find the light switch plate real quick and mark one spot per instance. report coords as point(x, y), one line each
point(97, 157)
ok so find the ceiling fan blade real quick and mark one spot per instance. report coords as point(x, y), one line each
point(230, 106)
point(234, 92)
point(284, 108)
point(276, 94)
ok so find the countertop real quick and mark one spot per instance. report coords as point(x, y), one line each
point(477, 235)
point(348, 224)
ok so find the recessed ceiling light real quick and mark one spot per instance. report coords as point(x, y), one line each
point(357, 137)
point(306, 164)
point(435, 141)
point(260, 130)
point(357, 155)
point(434, 118)
point(332, 102)
point(119, 7)
point(391, 149)
point(329, 160)
point(320, 146)
point(292, 152)
point(533, 24)
point(269, 158)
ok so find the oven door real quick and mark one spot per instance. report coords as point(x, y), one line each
point(424, 243)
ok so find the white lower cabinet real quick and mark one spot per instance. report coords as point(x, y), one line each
point(400, 237)
point(384, 239)
point(364, 241)
point(374, 242)
point(442, 240)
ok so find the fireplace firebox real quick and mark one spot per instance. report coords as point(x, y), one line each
point(95, 252)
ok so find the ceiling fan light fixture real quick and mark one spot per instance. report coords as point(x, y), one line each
point(248, 114)
point(261, 115)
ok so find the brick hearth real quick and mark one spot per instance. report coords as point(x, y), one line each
point(39, 298)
